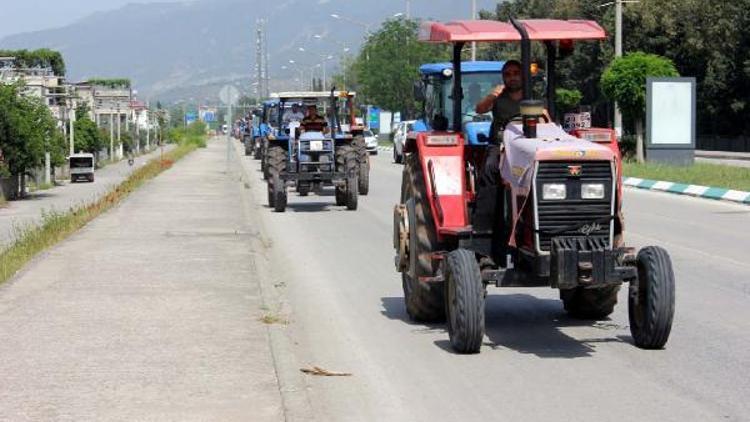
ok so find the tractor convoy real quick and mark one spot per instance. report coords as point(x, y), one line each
point(513, 202)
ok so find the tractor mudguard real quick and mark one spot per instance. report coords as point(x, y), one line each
point(441, 155)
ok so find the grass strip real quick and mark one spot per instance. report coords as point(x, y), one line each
point(704, 174)
point(57, 226)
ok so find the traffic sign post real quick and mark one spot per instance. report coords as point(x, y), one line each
point(229, 95)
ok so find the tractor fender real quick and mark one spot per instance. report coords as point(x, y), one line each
point(444, 170)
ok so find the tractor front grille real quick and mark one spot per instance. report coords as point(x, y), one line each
point(574, 216)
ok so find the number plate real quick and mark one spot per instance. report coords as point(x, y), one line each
point(316, 145)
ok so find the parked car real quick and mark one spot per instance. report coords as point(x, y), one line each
point(371, 141)
point(399, 139)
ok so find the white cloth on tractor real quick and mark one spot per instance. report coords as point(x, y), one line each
point(517, 164)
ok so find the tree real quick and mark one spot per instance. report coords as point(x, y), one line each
point(624, 81)
point(27, 131)
point(388, 65)
point(88, 137)
point(567, 99)
point(37, 58)
point(707, 40)
point(113, 83)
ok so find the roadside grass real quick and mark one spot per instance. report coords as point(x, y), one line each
point(704, 174)
point(385, 142)
point(57, 226)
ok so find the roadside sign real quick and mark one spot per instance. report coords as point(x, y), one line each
point(208, 114)
point(229, 95)
point(670, 120)
point(373, 117)
point(190, 117)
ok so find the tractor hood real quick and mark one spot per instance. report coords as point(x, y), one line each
point(552, 144)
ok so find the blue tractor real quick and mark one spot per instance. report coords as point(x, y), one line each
point(435, 90)
point(308, 157)
point(267, 124)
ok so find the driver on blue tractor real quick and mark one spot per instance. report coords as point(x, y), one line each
point(314, 122)
point(293, 115)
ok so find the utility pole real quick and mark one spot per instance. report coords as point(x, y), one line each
point(262, 58)
point(267, 60)
point(119, 131)
point(258, 60)
point(618, 53)
point(112, 137)
point(72, 120)
point(408, 9)
point(473, 43)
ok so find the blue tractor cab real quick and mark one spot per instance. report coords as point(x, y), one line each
point(478, 79)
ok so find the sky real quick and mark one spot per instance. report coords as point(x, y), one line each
point(17, 16)
point(34, 15)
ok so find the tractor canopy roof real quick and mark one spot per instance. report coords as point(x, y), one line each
point(496, 31)
point(297, 95)
point(466, 67)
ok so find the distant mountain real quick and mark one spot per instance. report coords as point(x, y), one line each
point(181, 50)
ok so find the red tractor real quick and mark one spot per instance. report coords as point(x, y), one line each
point(555, 213)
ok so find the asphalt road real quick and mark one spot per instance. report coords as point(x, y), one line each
point(152, 312)
point(345, 305)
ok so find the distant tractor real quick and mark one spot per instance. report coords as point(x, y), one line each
point(269, 117)
point(82, 167)
point(347, 109)
point(311, 159)
point(553, 218)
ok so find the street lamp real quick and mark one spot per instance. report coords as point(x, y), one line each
point(324, 58)
point(345, 49)
point(364, 25)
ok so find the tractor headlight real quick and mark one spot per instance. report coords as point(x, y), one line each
point(447, 73)
point(553, 191)
point(592, 191)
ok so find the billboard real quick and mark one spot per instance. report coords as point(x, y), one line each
point(208, 114)
point(190, 117)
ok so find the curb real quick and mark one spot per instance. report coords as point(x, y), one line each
point(293, 386)
point(690, 190)
point(723, 155)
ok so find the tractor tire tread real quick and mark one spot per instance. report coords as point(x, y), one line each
point(656, 274)
point(423, 302)
point(463, 272)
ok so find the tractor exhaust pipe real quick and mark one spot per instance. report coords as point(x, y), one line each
point(525, 58)
point(458, 92)
point(531, 109)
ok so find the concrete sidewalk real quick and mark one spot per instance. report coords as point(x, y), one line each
point(28, 211)
point(735, 159)
point(151, 312)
